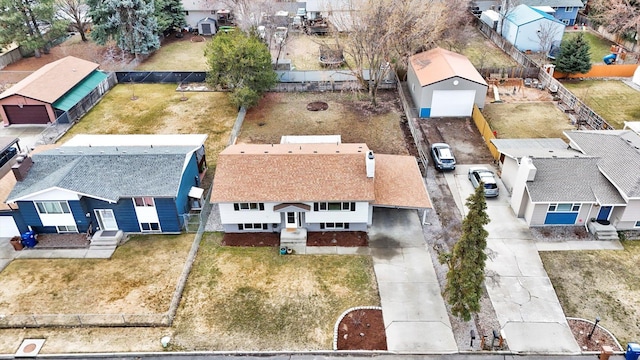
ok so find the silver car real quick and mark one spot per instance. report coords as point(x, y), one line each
point(442, 156)
point(486, 176)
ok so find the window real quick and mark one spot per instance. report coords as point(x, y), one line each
point(334, 206)
point(248, 206)
point(568, 9)
point(564, 207)
point(637, 223)
point(53, 207)
point(565, 21)
point(330, 226)
point(67, 229)
point(186, 13)
point(150, 227)
point(143, 201)
point(253, 226)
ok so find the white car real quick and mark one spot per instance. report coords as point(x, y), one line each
point(486, 176)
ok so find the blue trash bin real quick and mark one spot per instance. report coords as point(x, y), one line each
point(633, 351)
point(29, 239)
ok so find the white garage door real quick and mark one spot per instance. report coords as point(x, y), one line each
point(8, 227)
point(452, 103)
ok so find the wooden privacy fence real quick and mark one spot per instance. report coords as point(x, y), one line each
point(485, 130)
point(602, 71)
point(509, 72)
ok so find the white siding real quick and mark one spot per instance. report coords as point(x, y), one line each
point(538, 214)
point(229, 216)
point(509, 172)
point(53, 194)
point(632, 212)
point(361, 215)
point(8, 227)
point(525, 37)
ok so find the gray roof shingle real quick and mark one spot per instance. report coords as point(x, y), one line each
point(539, 148)
point(572, 180)
point(107, 173)
point(619, 155)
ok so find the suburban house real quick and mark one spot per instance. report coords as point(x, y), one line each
point(49, 92)
point(531, 29)
point(565, 11)
point(445, 84)
point(599, 184)
point(294, 187)
point(125, 183)
point(337, 12)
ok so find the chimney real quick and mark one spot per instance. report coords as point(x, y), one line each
point(21, 167)
point(531, 169)
point(370, 161)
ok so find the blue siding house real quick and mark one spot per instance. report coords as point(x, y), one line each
point(131, 183)
point(565, 11)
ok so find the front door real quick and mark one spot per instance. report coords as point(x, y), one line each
point(293, 220)
point(604, 212)
point(106, 219)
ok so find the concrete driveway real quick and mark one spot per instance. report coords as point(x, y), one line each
point(525, 302)
point(413, 309)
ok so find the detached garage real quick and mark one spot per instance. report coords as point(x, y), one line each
point(35, 99)
point(445, 84)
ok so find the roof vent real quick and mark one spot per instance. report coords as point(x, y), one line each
point(370, 163)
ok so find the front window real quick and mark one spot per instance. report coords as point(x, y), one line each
point(335, 206)
point(334, 226)
point(638, 224)
point(248, 206)
point(568, 9)
point(143, 201)
point(253, 226)
point(67, 229)
point(53, 207)
point(564, 207)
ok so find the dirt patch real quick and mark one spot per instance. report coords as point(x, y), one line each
point(317, 106)
point(362, 329)
point(599, 337)
point(524, 120)
point(316, 238)
point(461, 134)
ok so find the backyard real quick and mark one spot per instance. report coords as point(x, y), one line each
point(614, 100)
point(184, 54)
point(286, 114)
point(159, 109)
point(600, 284)
point(521, 120)
point(96, 286)
point(483, 53)
point(600, 47)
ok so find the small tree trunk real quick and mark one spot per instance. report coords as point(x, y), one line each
point(83, 36)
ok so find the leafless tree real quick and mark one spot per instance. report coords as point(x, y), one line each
point(618, 16)
point(76, 12)
point(506, 9)
point(249, 13)
point(385, 33)
point(545, 36)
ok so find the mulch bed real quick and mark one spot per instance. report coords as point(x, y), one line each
point(581, 329)
point(62, 241)
point(326, 238)
point(362, 330)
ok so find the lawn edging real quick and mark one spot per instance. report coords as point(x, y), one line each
point(335, 327)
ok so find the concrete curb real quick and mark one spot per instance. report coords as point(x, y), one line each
point(335, 328)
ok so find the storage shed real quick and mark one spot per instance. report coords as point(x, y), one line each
point(207, 26)
point(528, 28)
point(445, 84)
point(54, 88)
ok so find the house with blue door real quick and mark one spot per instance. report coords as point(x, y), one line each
point(128, 183)
point(599, 183)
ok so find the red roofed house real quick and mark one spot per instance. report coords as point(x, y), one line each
point(445, 84)
point(293, 188)
point(51, 90)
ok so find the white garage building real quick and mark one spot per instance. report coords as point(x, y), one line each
point(445, 84)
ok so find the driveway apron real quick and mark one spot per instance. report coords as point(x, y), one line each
point(413, 309)
point(530, 315)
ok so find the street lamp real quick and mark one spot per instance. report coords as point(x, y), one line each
point(593, 328)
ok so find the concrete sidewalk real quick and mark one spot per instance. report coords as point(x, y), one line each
point(530, 315)
point(414, 312)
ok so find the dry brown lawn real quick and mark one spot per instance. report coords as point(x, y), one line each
point(600, 283)
point(286, 114)
point(614, 100)
point(304, 50)
point(95, 286)
point(521, 120)
point(159, 110)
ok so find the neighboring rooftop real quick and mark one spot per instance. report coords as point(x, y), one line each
point(554, 3)
point(137, 140)
point(439, 64)
point(572, 180)
point(536, 148)
point(524, 14)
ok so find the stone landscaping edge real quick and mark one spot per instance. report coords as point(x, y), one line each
point(335, 328)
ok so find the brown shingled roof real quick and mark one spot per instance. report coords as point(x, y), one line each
point(292, 173)
point(53, 80)
point(316, 172)
point(439, 64)
point(399, 182)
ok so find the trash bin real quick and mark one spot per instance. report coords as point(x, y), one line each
point(606, 352)
point(16, 243)
point(633, 351)
point(29, 239)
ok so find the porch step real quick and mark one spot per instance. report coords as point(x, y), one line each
point(606, 235)
point(603, 232)
point(106, 239)
point(294, 239)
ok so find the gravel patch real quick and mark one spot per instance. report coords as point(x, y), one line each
point(561, 233)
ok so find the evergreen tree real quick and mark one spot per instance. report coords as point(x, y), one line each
point(241, 63)
point(573, 56)
point(30, 24)
point(130, 23)
point(169, 14)
point(467, 261)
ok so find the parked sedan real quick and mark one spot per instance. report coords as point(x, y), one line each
point(442, 156)
point(486, 176)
